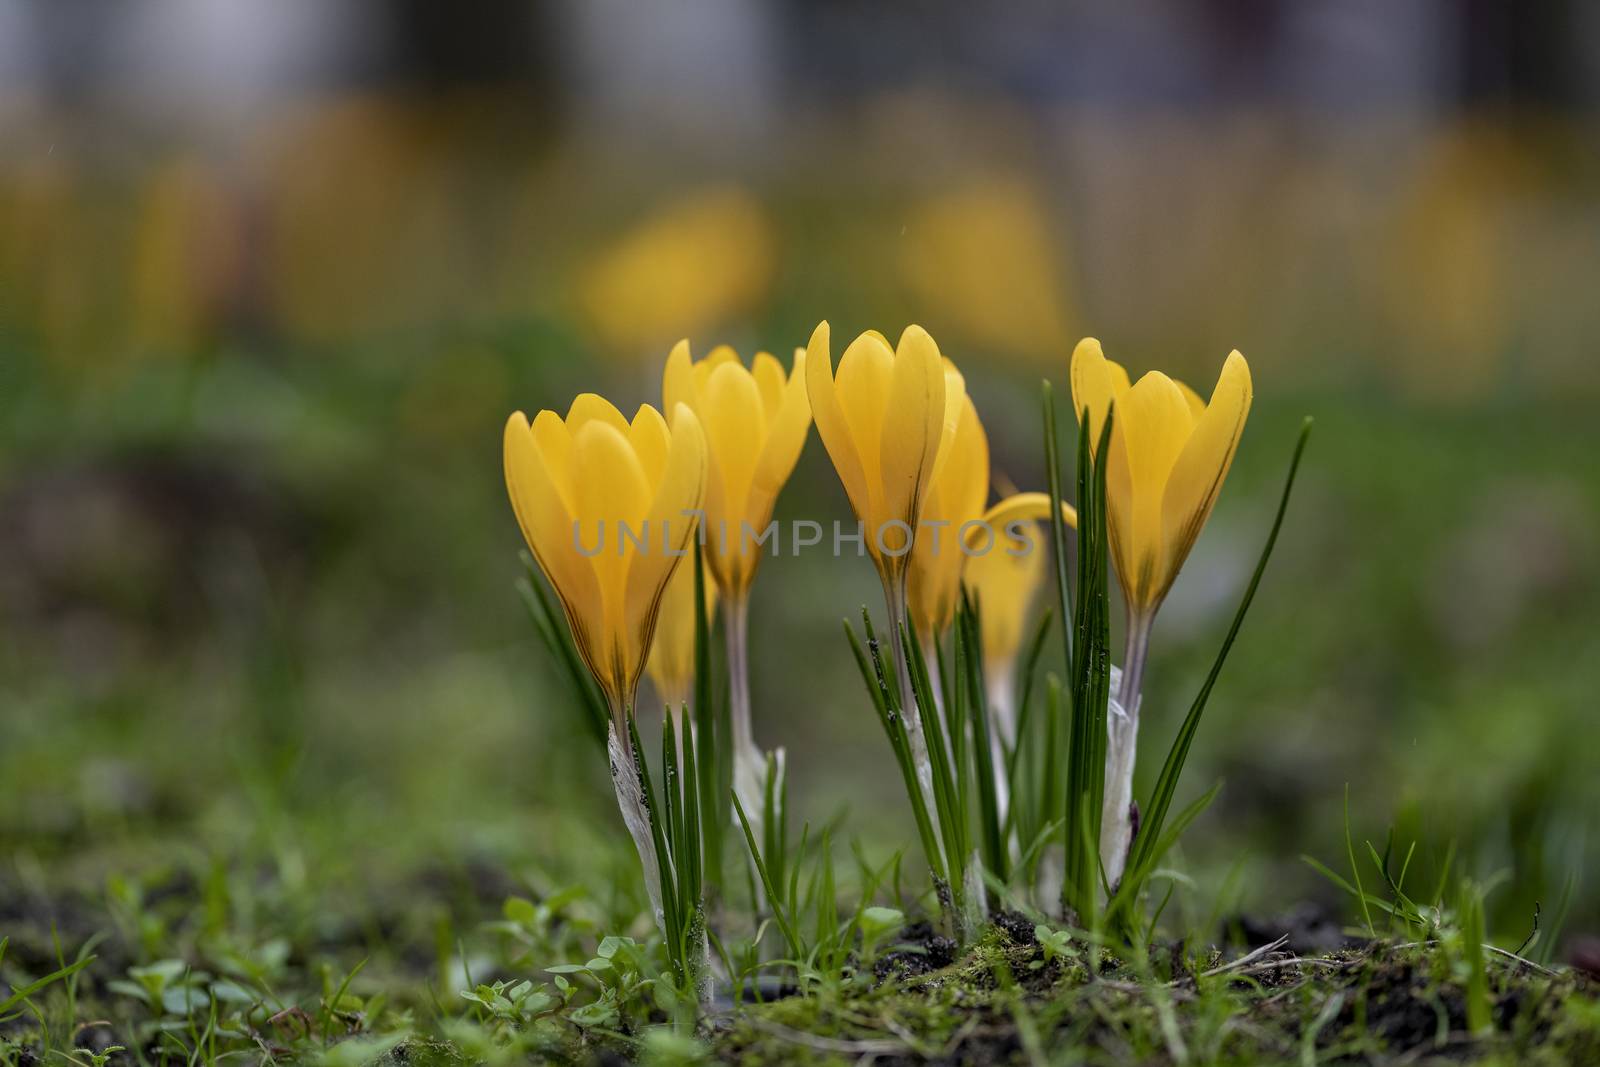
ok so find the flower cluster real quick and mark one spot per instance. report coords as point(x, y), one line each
point(909, 448)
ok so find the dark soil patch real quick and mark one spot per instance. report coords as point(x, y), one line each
point(922, 950)
point(1310, 928)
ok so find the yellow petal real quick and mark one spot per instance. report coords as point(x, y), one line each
point(677, 379)
point(1004, 584)
point(547, 527)
point(650, 440)
point(913, 426)
point(611, 492)
point(966, 485)
point(681, 489)
point(731, 415)
point(591, 407)
point(1096, 383)
point(786, 438)
point(671, 660)
point(862, 389)
point(1154, 424)
point(555, 448)
point(768, 373)
point(1022, 507)
point(1197, 404)
point(955, 402)
point(1197, 476)
point(829, 417)
point(954, 497)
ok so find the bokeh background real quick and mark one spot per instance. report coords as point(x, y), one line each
point(272, 274)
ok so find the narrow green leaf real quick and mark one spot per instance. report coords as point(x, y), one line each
point(19, 995)
point(796, 949)
point(885, 703)
point(715, 777)
point(552, 628)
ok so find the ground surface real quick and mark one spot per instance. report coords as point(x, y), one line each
point(183, 974)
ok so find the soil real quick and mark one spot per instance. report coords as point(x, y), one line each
point(1001, 1001)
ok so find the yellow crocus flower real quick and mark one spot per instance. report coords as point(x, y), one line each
point(602, 503)
point(888, 418)
point(1169, 454)
point(575, 484)
point(1170, 451)
point(755, 421)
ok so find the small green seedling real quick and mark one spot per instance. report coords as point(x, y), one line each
point(1055, 944)
point(878, 925)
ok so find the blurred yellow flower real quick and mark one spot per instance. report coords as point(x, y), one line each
point(574, 485)
point(983, 258)
point(693, 265)
point(1170, 451)
point(671, 662)
point(1448, 267)
point(755, 421)
point(184, 255)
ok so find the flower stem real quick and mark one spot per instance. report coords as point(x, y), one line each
point(1122, 742)
point(894, 589)
point(1002, 733)
point(635, 814)
point(749, 766)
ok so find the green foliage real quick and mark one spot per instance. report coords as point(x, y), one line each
point(714, 780)
point(1088, 660)
point(20, 995)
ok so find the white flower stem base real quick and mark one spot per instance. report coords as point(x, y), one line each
point(1002, 729)
point(895, 593)
point(636, 816)
point(1122, 743)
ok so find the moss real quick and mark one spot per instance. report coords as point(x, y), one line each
point(1379, 1004)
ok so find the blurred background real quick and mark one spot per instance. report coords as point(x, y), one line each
point(272, 274)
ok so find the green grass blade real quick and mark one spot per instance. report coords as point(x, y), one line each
point(693, 873)
point(969, 637)
point(873, 674)
point(709, 734)
point(796, 949)
point(946, 790)
point(551, 625)
point(1058, 526)
point(19, 995)
point(1089, 666)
